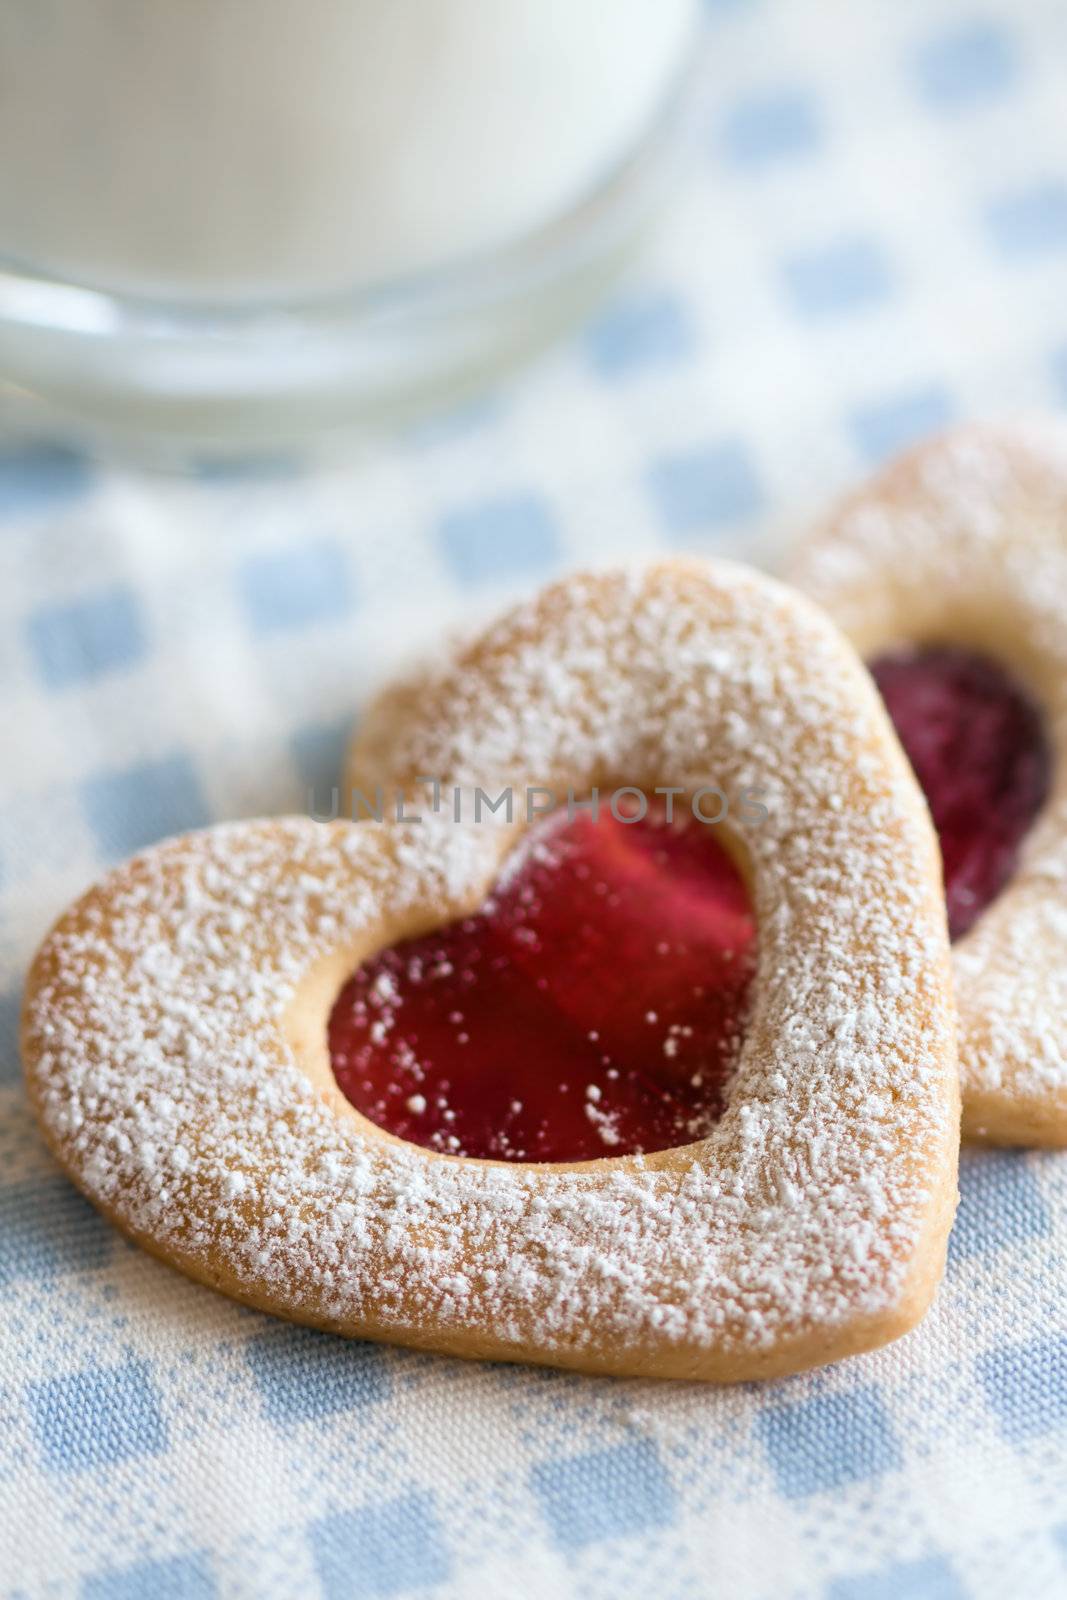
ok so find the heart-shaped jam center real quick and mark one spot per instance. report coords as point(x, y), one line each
point(978, 745)
point(593, 1007)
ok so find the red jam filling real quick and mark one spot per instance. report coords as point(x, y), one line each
point(978, 746)
point(593, 1007)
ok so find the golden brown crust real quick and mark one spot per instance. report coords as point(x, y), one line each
point(175, 1025)
point(964, 541)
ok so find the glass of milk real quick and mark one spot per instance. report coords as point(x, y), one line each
point(237, 222)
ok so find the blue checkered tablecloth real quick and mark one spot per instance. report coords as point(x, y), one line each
point(873, 242)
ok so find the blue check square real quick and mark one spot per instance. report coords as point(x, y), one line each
point(302, 1375)
point(97, 1417)
point(769, 127)
point(828, 1441)
point(884, 427)
point(846, 276)
point(966, 65)
point(1000, 1204)
point(318, 751)
point(1026, 1386)
point(86, 639)
point(1059, 372)
point(39, 478)
point(1029, 222)
point(180, 1578)
point(386, 1548)
point(47, 1229)
point(495, 540)
point(640, 333)
point(929, 1579)
point(709, 488)
point(129, 809)
point(604, 1494)
point(300, 587)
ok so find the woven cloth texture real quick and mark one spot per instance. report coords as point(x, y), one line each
point(872, 242)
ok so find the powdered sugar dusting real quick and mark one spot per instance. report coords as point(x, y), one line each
point(965, 542)
point(160, 1047)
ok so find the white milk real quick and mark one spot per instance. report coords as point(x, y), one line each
point(230, 150)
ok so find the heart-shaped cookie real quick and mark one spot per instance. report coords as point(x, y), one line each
point(949, 573)
point(175, 1026)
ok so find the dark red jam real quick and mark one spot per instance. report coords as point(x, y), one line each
point(979, 749)
point(593, 1007)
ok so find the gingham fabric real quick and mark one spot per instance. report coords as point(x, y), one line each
point(873, 242)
